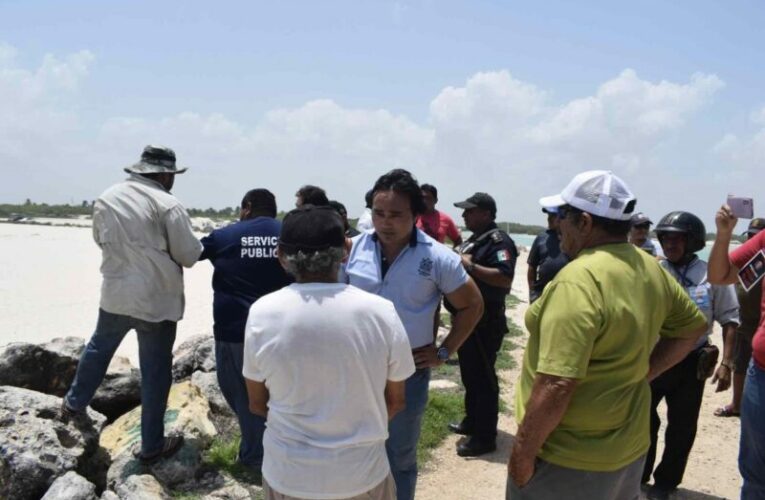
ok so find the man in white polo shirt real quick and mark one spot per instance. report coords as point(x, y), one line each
point(403, 264)
point(325, 363)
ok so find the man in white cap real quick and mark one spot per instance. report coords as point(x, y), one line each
point(608, 323)
point(145, 238)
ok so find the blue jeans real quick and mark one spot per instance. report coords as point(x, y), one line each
point(404, 432)
point(155, 353)
point(751, 455)
point(228, 359)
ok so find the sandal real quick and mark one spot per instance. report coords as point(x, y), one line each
point(726, 411)
point(171, 445)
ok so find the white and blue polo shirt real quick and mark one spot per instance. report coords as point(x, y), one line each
point(414, 281)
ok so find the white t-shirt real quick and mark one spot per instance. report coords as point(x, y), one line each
point(325, 351)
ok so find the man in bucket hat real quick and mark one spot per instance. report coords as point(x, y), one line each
point(582, 400)
point(146, 238)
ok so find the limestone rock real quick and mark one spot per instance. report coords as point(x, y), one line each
point(50, 368)
point(223, 416)
point(188, 413)
point(141, 487)
point(71, 486)
point(109, 495)
point(195, 354)
point(47, 368)
point(120, 391)
point(36, 447)
point(234, 491)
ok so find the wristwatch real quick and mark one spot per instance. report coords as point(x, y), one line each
point(442, 354)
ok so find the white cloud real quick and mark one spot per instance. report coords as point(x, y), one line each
point(495, 133)
point(742, 156)
point(758, 116)
point(38, 118)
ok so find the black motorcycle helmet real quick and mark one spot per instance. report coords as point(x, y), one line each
point(686, 223)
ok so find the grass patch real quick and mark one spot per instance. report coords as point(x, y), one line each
point(180, 495)
point(504, 359)
point(449, 372)
point(446, 319)
point(511, 301)
point(514, 330)
point(223, 454)
point(443, 407)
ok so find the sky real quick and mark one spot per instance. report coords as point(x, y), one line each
point(510, 98)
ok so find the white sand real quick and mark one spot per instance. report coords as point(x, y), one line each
point(50, 287)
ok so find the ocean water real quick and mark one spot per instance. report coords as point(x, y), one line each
point(527, 239)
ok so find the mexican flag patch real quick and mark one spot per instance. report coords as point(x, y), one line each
point(503, 255)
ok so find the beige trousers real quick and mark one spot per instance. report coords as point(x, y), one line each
point(386, 490)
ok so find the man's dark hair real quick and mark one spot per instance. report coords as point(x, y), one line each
point(261, 202)
point(610, 226)
point(368, 198)
point(313, 195)
point(402, 182)
point(339, 208)
point(430, 188)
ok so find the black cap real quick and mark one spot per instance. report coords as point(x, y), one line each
point(639, 219)
point(756, 225)
point(311, 228)
point(479, 200)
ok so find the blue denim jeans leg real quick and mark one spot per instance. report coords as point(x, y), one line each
point(751, 456)
point(404, 432)
point(155, 353)
point(229, 357)
point(155, 356)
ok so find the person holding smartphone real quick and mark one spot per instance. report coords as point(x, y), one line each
point(723, 269)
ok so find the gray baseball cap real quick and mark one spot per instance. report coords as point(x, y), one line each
point(156, 160)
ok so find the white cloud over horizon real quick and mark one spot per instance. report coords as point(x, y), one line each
point(493, 133)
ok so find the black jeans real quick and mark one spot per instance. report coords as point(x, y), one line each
point(477, 357)
point(683, 392)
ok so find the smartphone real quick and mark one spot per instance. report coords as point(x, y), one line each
point(742, 208)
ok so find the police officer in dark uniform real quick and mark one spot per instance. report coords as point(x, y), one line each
point(489, 256)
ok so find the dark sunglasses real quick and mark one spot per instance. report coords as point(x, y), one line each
point(642, 226)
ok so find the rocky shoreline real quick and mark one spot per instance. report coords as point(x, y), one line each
point(90, 457)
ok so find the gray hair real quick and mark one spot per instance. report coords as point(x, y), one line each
point(318, 262)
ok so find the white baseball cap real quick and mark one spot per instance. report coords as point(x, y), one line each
point(598, 192)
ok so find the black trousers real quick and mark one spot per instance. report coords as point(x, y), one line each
point(683, 392)
point(477, 357)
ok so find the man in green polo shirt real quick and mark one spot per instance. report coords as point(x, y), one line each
point(609, 322)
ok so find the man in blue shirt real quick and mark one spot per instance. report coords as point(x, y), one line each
point(404, 265)
point(246, 268)
point(545, 257)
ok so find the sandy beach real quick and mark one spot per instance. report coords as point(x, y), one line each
point(49, 287)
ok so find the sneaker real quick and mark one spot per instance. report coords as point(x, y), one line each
point(67, 414)
point(171, 445)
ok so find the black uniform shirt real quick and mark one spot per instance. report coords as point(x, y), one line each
point(548, 258)
point(496, 250)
